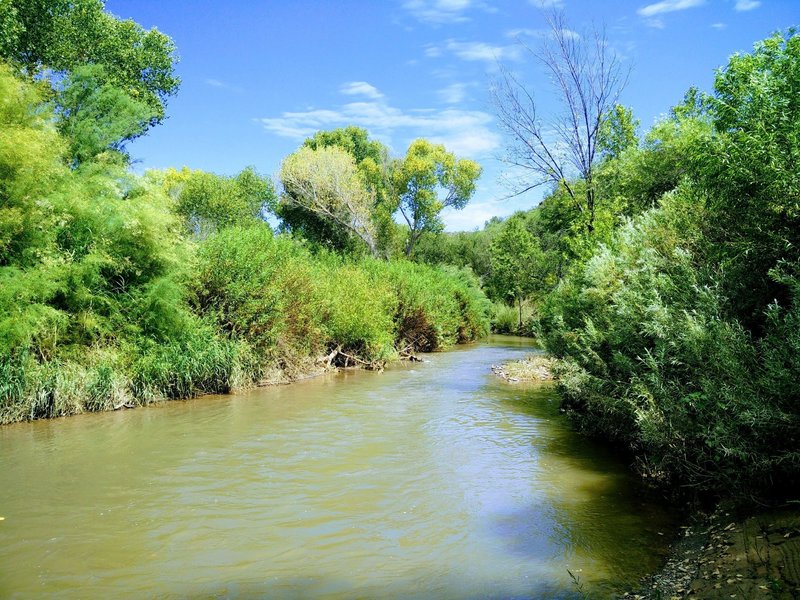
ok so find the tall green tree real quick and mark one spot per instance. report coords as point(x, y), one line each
point(53, 38)
point(752, 173)
point(517, 262)
point(428, 180)
point(618, 132)
point(96, 116)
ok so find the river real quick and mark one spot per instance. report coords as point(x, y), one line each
point(429, 480)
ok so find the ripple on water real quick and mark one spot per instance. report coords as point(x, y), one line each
point(436, 480)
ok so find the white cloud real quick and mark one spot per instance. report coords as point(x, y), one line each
point(524, 32)
point(718, 26)
point(433, 51)
point(545, 4)
point(360, 88)
point(453, 93)
point(465, 132)
point(540, 33)
point(481, 51)
point(438, 11)
point(742, 5)
point(667, 6)
point(655, 23)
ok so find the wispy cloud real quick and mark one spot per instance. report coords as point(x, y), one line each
point(475, 51)
point(718, 26)
point(438, 11)
point(360, 88)
point(540, 33)
point(742, 5)
point(465, 132)
point(453, 93)
point(222, 85)
point(546, 4)
point(668, 6)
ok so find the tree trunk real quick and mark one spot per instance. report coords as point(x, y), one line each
point(412, 239)
point(519, 301)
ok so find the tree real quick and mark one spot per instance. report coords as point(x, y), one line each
point(516, 262)
point(326, 182)
point(588, 79)
point(97, 116)
point(418, 178)
point(52, 38)
point(209, 202)
point(371, 159)
point(752, 174)
point(617, 132)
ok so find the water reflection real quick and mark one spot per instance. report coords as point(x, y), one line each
point(428, 480)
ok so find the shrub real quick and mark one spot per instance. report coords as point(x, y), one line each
point(650, 359)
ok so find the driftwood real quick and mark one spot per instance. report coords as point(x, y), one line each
point(408, 353)
point(328, 359)
point(340, 358)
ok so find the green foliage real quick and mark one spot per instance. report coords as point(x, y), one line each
point(752, 172)
point(326, 183)
point(30, 163)
point(200, 362)
point(417, 180)
point(290, 305)
point(618, 132)
point(517, 261)
point(260, 288)
point(371, 159)
point(96, 116)
point(650, 359)
point(56, 37)
point(208, 202)
point(367, 332)
point(469, 249)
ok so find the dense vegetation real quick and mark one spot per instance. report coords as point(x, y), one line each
point(663, 271)
point(676, 316)
point(117, 289)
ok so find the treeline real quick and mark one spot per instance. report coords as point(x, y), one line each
point(675, 313)
point(118, 289)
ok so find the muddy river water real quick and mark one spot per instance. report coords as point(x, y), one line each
point(430, 480)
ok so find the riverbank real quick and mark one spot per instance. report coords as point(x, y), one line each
point(724, 556)
point(719, 555)
point(256, 308)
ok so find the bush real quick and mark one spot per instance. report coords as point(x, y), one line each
point(505, 319)
point(650, 359)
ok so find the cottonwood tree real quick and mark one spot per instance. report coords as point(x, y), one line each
point(428, 180)
point(326, 182)
point(372, 160)
point(588, 79)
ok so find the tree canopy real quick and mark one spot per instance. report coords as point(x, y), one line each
point(54, 38)
point(428, 180)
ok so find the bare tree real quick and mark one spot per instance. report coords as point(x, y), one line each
point(588, 79)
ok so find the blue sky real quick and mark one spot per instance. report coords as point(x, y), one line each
point(261, 75)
